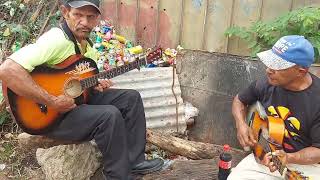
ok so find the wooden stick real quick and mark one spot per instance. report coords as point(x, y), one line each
point(36, 14)
point(190, 149)
point(48, 18)
point(177, 146)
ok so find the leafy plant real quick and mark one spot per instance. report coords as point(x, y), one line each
point(4, 117)
point(262, 35)
point(8, 29)
point(18, 24)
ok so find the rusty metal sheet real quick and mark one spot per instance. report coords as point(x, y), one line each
point(219, 15)
point(147, 30)
point(170, 13)
point(245, 12)
point(109, 11)
point(128, 10)
point(194, 16)
point(272, 9)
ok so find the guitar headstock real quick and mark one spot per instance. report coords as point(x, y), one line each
point(295, 175)
point(154, 55)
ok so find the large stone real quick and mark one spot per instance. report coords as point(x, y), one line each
point(32, 142)
point(69, 162)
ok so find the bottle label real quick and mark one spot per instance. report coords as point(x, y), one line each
point(224, 165)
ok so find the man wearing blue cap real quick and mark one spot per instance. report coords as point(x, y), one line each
point(114, 118)
point(288, 91)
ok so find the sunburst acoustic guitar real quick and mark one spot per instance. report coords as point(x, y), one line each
point(73, 78)
point(269, 132)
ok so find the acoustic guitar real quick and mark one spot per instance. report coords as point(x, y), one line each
point(269, 132)
point(74, 78)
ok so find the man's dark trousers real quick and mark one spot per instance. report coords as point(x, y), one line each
point(115, 119)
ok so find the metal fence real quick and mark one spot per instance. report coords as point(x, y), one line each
point(194, 24)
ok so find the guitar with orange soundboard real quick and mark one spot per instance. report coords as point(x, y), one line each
point(74, 78)
point(269, 132)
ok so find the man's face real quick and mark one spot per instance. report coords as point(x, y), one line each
point(81, 20)
point(283, 77)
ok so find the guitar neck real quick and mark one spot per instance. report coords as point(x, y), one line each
point(275, 159)
point(93, 81)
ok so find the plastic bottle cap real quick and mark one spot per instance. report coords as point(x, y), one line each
point(226, 147)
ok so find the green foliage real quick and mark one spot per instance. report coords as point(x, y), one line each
point(7, 151)
point(9, 10)
point(4, 117)
point(262, 35)
point(17, 26)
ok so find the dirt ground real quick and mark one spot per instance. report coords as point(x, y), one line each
point(15, 162)
point(19, 163)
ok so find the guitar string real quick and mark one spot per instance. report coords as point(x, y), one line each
point(265, 143)
point(91, 81)
point(140, 61)
point(267, 148)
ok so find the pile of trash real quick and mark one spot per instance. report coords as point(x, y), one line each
point(115, 50)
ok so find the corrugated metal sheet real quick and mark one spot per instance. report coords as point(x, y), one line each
point(155, 87)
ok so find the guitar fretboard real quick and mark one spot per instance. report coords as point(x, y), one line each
point(266, 147)
point(93, 81)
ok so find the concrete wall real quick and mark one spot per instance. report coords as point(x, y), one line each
point(210, 81)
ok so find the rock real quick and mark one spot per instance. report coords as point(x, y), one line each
point(2, 167)
point(32, 142)
point(38, 141)
point(24, 136)
point(34, 174)
point(190, 111)
point(2, 149)
point(69, 162)
point(8, 136)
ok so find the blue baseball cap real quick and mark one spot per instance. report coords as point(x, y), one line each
point(287, 52)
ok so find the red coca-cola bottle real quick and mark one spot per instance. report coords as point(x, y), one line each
point(225, 163)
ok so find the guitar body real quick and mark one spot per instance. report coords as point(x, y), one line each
point(269, 133)
point(37, 118)
point(274, 127)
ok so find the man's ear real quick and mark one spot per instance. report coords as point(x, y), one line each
point(303, 70)
point(64, 11)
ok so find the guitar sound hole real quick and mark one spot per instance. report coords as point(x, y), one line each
point(73, 88)
point(43, 108)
